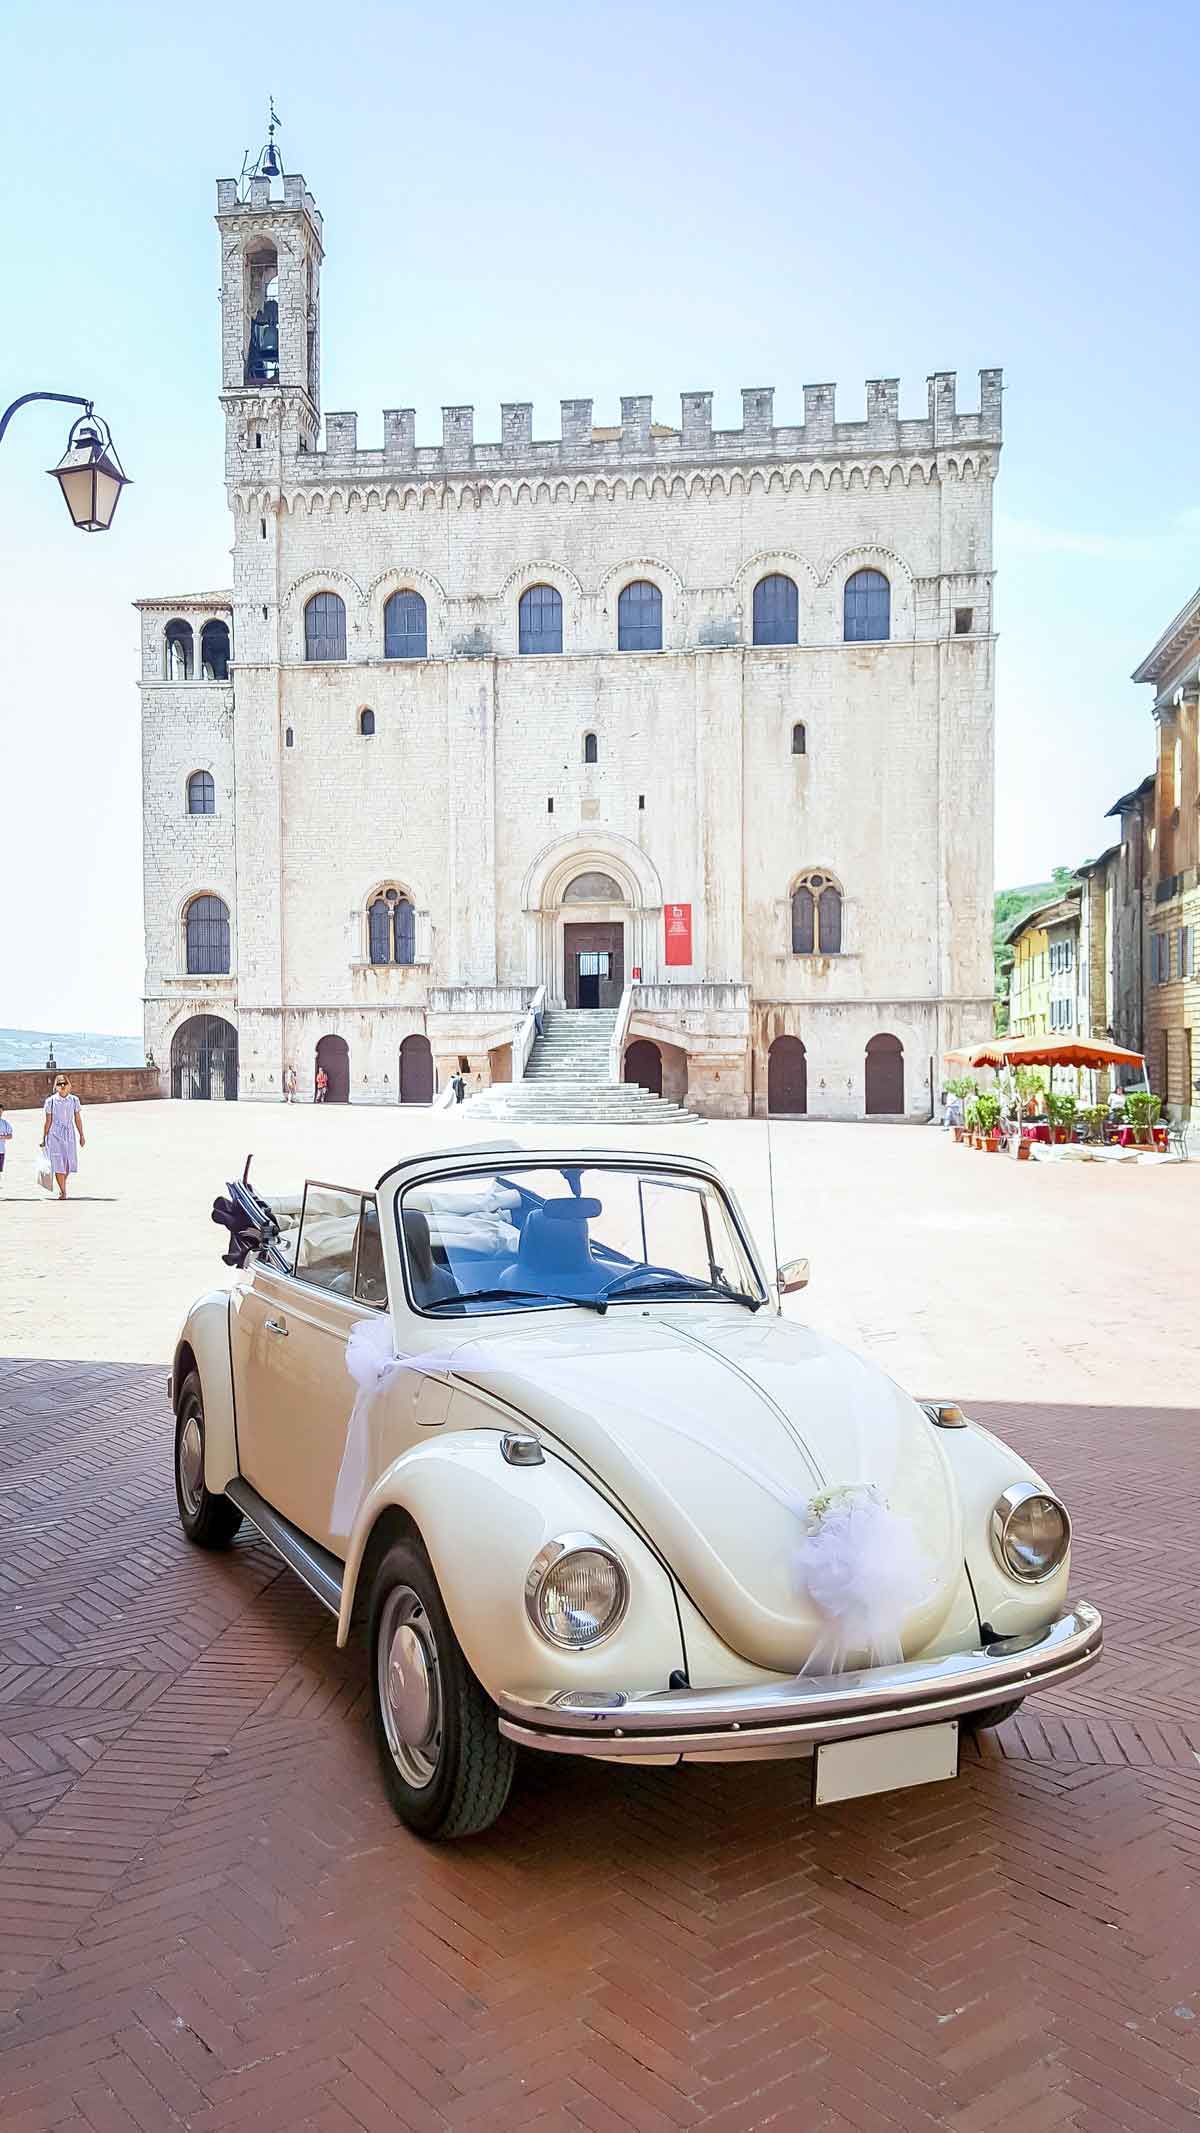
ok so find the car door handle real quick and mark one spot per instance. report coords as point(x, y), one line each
point(275, 1325)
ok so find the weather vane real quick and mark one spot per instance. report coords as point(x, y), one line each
point(268, 163)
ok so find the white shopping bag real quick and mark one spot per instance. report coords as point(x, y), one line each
point(43, 1171)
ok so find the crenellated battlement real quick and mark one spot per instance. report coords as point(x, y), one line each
point(264, 194)
point(584, 443)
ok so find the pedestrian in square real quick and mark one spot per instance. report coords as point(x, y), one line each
point(289, 1085)
point(322, 1084)
point(62, 1121)
point(5, 1137)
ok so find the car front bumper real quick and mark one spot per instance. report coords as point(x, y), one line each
point(789, 1718)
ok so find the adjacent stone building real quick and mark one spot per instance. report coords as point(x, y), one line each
point(1172, 987)
point(699, 717)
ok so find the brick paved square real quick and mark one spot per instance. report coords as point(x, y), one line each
point(210, 1919)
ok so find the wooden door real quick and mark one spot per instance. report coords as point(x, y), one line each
point(787, 1078)
point(643, 1065)
point(885, 1077)
point(416, 1070)
point(333, 1053)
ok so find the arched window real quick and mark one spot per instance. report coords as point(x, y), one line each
point(405, 627)
point(591, 748)
point(366, 722)
point(867, 608)
point(639, 618)
point(776, 610)
point(289, 738)
point(799, 740)
point(540, 619)
point(179, 643)
point(325, 627)
point(816, 916)
point(206, 927)
point(391, 928)
point(214, 651)
point(201, 794)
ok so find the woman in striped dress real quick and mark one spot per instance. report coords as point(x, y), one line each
point(62, 1120)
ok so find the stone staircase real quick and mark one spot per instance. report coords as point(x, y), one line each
point(567, 1081)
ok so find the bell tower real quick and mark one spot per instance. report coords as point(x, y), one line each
point(271, 257)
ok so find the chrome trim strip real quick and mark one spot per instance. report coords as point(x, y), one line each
point(313, 1565)
point(810, 1709)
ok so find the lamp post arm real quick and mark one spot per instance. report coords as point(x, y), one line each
point(67, 399)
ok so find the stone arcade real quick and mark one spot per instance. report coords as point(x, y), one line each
point(687, 723)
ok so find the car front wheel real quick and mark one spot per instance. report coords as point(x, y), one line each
point(210, 1521)
point(446, 1765)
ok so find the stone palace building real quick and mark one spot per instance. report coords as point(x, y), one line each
point(690, 724)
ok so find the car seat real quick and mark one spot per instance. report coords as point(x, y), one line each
point(431, 1283)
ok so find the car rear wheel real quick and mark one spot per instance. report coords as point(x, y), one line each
point(446, 1765)
point(210, 1521)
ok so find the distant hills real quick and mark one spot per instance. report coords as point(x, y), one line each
point(72, 1048)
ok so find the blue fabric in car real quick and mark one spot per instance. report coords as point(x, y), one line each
point(554, 1252)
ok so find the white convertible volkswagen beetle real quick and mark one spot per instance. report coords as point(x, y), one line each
point(540, 1412)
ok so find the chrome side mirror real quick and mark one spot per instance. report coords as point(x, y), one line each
point(792, 1275)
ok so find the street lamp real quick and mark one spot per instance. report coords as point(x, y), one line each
point(89, 473)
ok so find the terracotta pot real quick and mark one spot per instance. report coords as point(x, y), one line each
point(1023, 1148)
point(992, 1144)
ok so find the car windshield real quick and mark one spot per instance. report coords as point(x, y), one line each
point(533, 1236)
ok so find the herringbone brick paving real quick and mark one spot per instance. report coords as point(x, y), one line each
point(210, 1919)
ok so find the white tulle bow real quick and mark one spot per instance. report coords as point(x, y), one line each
point(372, 1362)
point(862, 1567)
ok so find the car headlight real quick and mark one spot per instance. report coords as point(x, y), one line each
point(1031, 1533)
point(576, 1591)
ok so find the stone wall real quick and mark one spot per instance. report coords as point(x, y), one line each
point(26, 1088)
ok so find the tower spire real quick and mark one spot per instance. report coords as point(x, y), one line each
point(268, 163)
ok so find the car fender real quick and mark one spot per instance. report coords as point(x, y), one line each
point(205, 1340)
point(984, 1466)
point(482, 1522)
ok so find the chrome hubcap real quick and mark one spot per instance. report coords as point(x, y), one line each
point(410, 1690)
point(191, 1465)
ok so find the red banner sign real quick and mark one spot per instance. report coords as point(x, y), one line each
point(677, 920)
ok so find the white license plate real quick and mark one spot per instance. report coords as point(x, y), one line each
point(884, 1762)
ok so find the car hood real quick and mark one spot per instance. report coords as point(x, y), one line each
point(716, 1428)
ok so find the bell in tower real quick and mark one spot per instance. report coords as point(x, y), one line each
point(262, 359)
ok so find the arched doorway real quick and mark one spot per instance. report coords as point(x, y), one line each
point(593, 947)
point(787, 1078)
point(643, 1065)
point(416, 1070)
point(885, 1077)
point(204, 1060)
point(333, 1053)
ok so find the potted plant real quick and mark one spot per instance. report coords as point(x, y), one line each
point(964, 1088)
point(972, 1121)
point(1093, 1117)
point(987, 1111)
point(1060, 1110)
point(1031, 1090)
point(1142, 1112)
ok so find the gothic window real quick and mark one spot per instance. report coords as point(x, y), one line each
point(201, 794)
point(816, 916)
point(799, 740)
point(366, 722)
point(867, 608)
point(776, 610)
point(325, 627)
point(639, 618)
point(179, 643)
point(405, 627)
point(214, 651)
point(391, 928)
point(289, 739)
point(206, 931)
point(540, 619)
point(591, 748)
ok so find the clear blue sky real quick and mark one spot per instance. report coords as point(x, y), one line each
point(539, 203)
